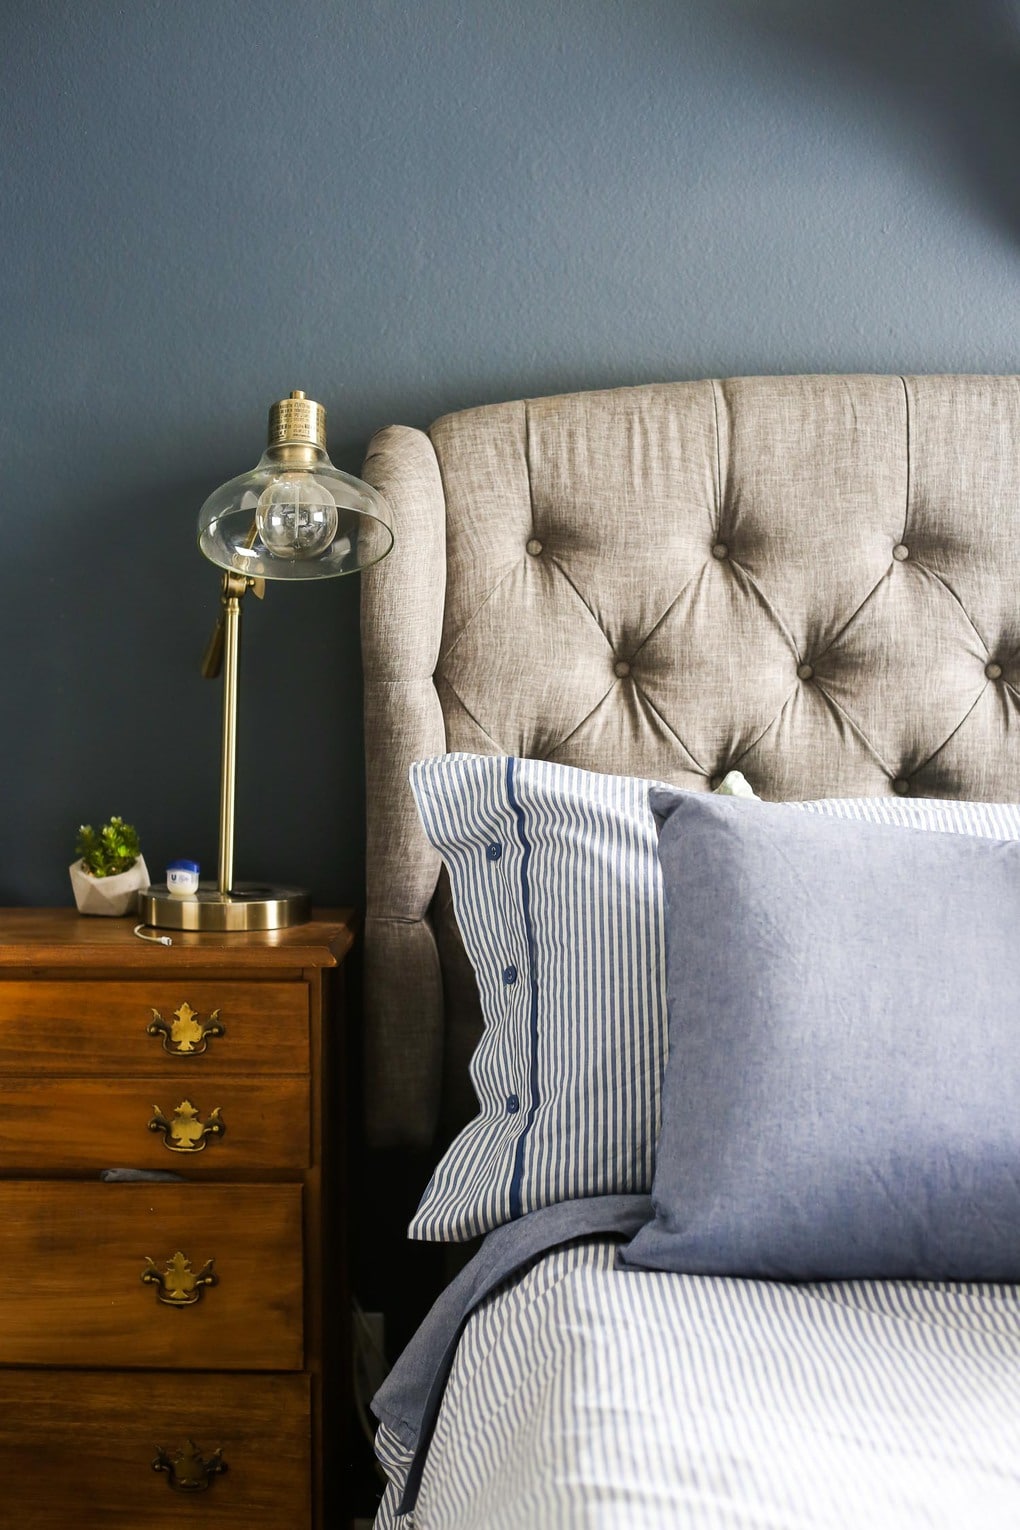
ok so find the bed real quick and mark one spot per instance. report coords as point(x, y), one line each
point(693, 879)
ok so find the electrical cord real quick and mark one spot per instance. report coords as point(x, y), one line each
point(143, 934)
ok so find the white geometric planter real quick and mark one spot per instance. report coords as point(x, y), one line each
point(108, 895)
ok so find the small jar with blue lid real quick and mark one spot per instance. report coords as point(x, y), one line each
point(182, 878)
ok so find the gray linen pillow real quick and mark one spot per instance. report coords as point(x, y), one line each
point(842, 1096)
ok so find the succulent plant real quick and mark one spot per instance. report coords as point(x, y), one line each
point(111, 850)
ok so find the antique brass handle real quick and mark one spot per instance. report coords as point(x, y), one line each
point(186, 1470)
point(186, 1132)
point(184, 1035)
point(178, 1285)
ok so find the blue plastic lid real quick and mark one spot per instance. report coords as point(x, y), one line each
point(182, 866)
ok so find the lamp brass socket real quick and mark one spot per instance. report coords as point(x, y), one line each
point(297, 421)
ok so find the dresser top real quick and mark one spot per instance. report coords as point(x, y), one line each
point(61, 937)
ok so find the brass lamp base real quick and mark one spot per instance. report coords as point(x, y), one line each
point(246, 907)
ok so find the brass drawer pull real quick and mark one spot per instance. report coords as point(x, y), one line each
point(178, 1285)
point(186, 1471)
point(186, 1133)
point(184, 1035)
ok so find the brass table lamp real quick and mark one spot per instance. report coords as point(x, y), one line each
point(294, 516)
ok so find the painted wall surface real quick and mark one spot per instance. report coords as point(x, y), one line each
point(405, 207)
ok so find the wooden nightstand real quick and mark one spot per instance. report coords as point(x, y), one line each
point(171, 1351)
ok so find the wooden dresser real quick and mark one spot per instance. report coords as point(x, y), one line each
point(172, 1351)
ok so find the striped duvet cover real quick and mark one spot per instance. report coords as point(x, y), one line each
point(585, 1396)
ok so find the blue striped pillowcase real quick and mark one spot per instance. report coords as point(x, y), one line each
point(558, 896)
point(557, 893)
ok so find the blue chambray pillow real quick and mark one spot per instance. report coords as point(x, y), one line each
point(842, 1098)
point(557, 892)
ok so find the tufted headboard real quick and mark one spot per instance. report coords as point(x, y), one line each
point(815, 580)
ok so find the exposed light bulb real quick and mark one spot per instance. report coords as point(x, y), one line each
point(296, 517)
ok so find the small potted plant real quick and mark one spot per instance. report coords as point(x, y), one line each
point(110, 870)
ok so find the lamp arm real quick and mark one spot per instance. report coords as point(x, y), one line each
point(221, 657)
point(212, 658)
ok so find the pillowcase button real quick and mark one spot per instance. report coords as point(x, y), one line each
point(493, 852)
point(513, 1104)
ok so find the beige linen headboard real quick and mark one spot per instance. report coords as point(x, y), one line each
point(812, 579)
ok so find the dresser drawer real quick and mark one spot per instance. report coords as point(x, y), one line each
point(180, 1027)
point(73, 1257)
point(222, 1125)
point(76, 1449)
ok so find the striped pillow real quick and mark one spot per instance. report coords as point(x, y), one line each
point(557, 893)
point(558, 896)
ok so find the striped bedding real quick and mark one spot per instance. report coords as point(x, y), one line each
point(585, 1396)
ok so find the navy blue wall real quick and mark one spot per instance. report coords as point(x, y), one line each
point(404, 207)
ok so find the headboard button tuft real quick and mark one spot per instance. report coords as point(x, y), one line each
point(621, 668)
point(805, 672)
point(993, 671)
point(720, 550)
point(901, 787)
point(901, 553)
point(533, 548)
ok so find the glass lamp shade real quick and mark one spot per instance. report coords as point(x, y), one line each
point(294, 516)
